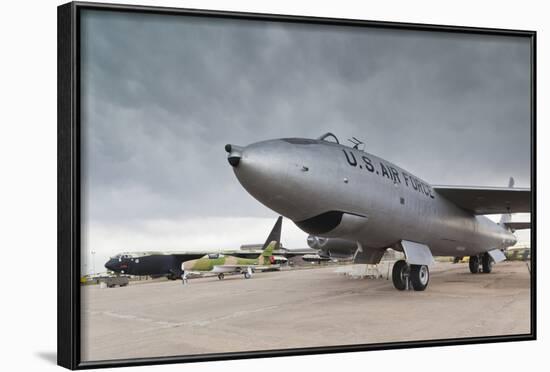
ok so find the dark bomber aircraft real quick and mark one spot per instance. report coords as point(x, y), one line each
point(155, 264)
point(335, 191)
point(170, 264)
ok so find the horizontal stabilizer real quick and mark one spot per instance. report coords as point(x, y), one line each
point(487, 200)
point(518, 225)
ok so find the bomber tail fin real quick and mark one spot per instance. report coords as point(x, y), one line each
point(274, 235)
point(273, 240)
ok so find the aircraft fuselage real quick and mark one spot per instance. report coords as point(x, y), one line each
point(331, 190)
point(149, 264)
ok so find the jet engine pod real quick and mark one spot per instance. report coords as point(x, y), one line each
point(316, 242)
point(335, 223)
point(332, 247)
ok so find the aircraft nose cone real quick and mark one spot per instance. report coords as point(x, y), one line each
point(234, 154)
point(108, 265)
point(262, 168)
point(111, 265)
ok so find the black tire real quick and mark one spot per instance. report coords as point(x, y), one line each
point(247, 275)
point(486, 263)
point(474, 264)
point(221, 276)
point(399, 275)
point(420, 277)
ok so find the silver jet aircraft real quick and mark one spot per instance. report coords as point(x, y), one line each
point(334, 191)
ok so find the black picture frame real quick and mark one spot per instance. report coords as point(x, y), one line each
point(69, 182)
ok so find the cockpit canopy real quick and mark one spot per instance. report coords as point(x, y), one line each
point(127, 255)
point(327, 137)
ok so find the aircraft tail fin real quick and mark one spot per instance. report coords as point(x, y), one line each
point(272, 242)
point(270, 248)
point(274, 235)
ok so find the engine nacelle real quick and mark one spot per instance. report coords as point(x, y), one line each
point(333, 224)
point(332, 247)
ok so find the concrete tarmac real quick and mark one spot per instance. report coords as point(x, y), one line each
point(299, 308)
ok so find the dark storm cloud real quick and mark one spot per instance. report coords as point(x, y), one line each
point(163, 94)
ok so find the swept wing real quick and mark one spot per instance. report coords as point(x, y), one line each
point(487, 200)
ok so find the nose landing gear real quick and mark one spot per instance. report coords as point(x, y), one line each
point(184, 279)
point(405, 276)
point(248, 273)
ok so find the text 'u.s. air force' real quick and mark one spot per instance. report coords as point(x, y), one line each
point(389, 172)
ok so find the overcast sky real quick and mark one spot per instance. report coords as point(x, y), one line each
point(162, 95)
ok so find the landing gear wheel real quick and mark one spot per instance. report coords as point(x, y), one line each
point(221, 276)
point(486, 263)
point(400, 275)
point(474, 264)
point(420, 276)
point(247, 275)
